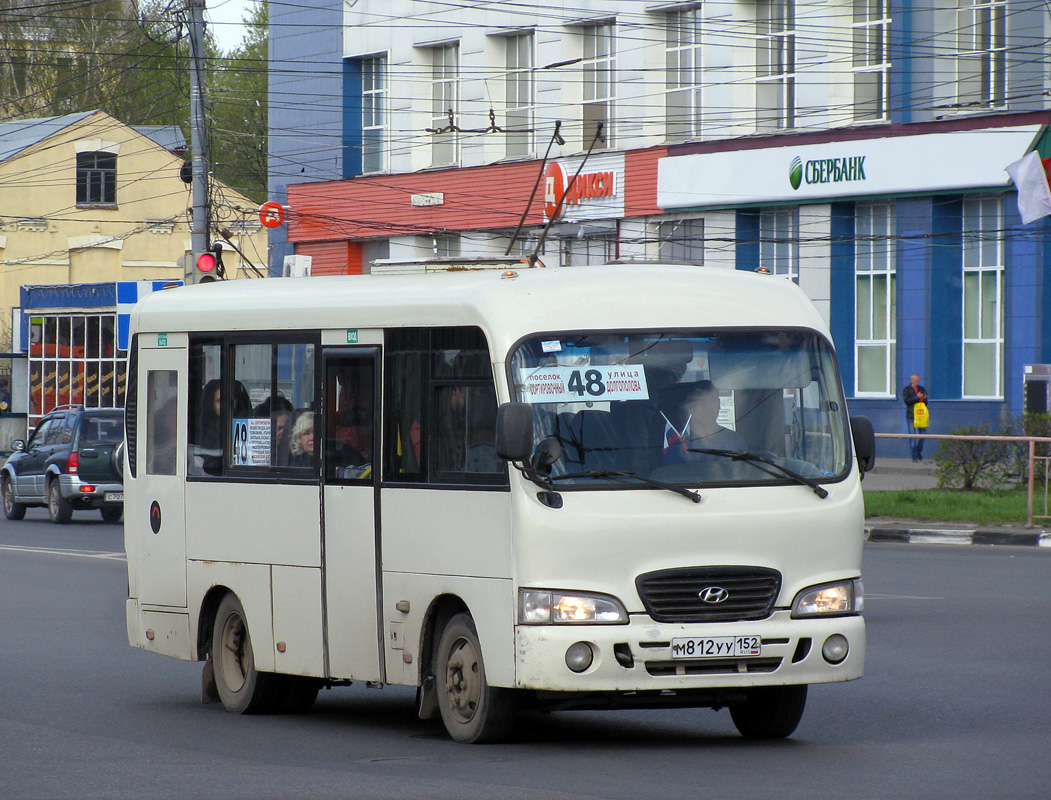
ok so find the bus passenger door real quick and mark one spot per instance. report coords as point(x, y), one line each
point(156, 512)
point(351, 564)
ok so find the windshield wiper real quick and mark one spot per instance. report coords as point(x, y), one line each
point(744, 455)
point(610, 473)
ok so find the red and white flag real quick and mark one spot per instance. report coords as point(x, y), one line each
point(1030, 176)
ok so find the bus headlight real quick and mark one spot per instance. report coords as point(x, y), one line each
point(546, 607)
point(830, 599)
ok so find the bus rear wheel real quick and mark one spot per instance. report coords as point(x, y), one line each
point(770, 712)
point(471, 709)
point(241, 687)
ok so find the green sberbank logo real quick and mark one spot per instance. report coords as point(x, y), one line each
point(826, 170)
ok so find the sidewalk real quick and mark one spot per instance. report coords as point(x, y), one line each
point(901, 473)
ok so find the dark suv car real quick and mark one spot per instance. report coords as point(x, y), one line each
point(73, 461)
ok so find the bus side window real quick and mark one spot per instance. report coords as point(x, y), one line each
point(162, 397)
point(440, 407)
point(206, 442)
point(349, 418)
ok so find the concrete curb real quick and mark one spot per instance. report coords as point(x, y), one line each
point(958, 536)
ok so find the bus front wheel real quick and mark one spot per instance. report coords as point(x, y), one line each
point(241, 687)
point(770, 712)
point(472, 710)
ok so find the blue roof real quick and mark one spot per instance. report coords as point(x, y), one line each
point(170, 137)
point(18, 135)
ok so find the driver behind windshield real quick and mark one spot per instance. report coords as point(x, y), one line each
point(694, 424)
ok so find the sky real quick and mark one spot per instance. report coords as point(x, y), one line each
point(224, 20)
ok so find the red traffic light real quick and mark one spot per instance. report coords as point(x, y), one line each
point(205, 262)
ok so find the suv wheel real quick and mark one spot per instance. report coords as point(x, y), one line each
point(12, 510)
point(112, 513)
point(58, 508)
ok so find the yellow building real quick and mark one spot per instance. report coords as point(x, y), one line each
point(86, 200)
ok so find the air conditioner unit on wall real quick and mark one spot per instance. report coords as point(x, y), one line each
point(296, 266)
point(1036, 388)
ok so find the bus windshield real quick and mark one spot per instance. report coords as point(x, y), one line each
point(694, 408)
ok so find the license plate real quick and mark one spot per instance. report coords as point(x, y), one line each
point(114, 497)
point(716, 647)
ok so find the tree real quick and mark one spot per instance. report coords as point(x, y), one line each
point(63, 56)
point(238, 110)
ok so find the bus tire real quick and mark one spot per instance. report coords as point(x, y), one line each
point(12, 510)
point(59, 509)
point(770, 712)
point(242, 688)
point(300, 694)
point(471, 709)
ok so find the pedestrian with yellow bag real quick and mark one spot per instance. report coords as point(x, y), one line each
point(917, 417)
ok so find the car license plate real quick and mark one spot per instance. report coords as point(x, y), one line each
point(716, 647)
point(114, 497)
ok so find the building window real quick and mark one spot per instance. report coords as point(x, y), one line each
point(982, 62)
point(871, 58)
point(74, 360)
point(775, 64)
point(875, 301)
point(520, 98)
point(445, 68)
point(983, 287)
point(96, 179)
point(682, 240)
point(683, 65)
point(599, 70)
point(779, 242)
point(598, 248)
point(374, 114)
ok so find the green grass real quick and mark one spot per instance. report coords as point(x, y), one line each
point(981, 507)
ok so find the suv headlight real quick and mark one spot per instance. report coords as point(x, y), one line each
point(549, 607)
point(830, 600)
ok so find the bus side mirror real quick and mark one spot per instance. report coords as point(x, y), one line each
point(514, 431)
point(864, 442)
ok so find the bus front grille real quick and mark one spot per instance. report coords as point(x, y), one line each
point(661, 669)
point(709, 594)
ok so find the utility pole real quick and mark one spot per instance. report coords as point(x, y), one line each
point(199, 230)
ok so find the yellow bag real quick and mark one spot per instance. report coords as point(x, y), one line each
point(921, 417)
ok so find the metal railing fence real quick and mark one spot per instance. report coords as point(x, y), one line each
point(1031, 441)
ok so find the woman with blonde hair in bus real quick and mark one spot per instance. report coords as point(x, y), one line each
point(301, 449)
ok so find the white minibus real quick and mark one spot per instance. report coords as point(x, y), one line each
point(617, 486)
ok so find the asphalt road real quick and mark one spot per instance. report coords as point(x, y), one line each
point(955, 704)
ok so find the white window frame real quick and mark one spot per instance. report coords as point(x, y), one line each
point(875, 297)
point(981, 65)
point(982, 293)
point(682, 240)
point(520, 93)
point(775, 64)
point(683, 68)
point(599, 70)
point(374, 115)
point(779, 242)
point(445, 95)
point(871, 58)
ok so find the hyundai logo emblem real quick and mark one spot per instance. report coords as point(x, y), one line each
point(713, 595)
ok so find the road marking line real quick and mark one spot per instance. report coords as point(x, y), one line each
point(99, 554)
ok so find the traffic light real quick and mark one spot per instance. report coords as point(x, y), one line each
point(205, 267)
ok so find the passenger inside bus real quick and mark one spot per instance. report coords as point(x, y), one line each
point(301, 450)
point(278, 409)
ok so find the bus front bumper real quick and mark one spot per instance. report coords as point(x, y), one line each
point(640, 657)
